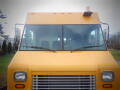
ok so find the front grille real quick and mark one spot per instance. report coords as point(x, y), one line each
point(63, 82)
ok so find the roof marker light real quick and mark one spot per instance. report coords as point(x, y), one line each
point(87, 12)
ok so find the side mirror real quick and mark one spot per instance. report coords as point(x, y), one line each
point(18, 34)
point(106, 33)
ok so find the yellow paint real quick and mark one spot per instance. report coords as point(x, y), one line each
point(61, 18)
point(63, 62)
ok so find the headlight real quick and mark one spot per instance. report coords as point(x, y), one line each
point(107, 76)
point(20, 76)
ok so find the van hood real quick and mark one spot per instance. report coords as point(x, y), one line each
point(62, 60)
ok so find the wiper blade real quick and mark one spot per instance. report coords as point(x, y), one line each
point(39, 47)
point(92, 46)
point(87, 47)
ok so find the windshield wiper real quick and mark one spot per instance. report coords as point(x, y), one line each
point(38, 47)
point(91, 46)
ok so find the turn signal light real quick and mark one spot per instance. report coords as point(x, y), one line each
point(19, 86)
point(107, 85)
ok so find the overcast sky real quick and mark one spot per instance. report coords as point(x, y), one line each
point(16, 10)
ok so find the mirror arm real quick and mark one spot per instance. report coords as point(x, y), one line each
point(107, 40)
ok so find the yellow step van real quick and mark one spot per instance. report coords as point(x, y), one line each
point(63, 51)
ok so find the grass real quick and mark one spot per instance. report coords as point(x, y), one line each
point(116, 54)
point(4, 61)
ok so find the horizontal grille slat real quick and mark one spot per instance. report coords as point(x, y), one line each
point(64, 88)
point(63, 82)
point(62, 77)
point(63, 85)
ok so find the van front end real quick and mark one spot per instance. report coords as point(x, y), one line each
point(63, 51)
point(82, 70)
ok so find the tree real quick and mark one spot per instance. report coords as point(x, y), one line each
point(0, 47)
point(4, 47)
point(2, 16)
point(16, 44)
point(1, 32)
point(17, 36)
point(115, 41)
point(9, 47)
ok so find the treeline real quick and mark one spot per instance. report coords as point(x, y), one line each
point(114, 42)
point(7, 48)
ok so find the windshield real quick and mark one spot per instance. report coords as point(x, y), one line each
point(63, 37)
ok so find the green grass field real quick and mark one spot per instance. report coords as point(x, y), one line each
point(116, 54)
point(4, 61)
